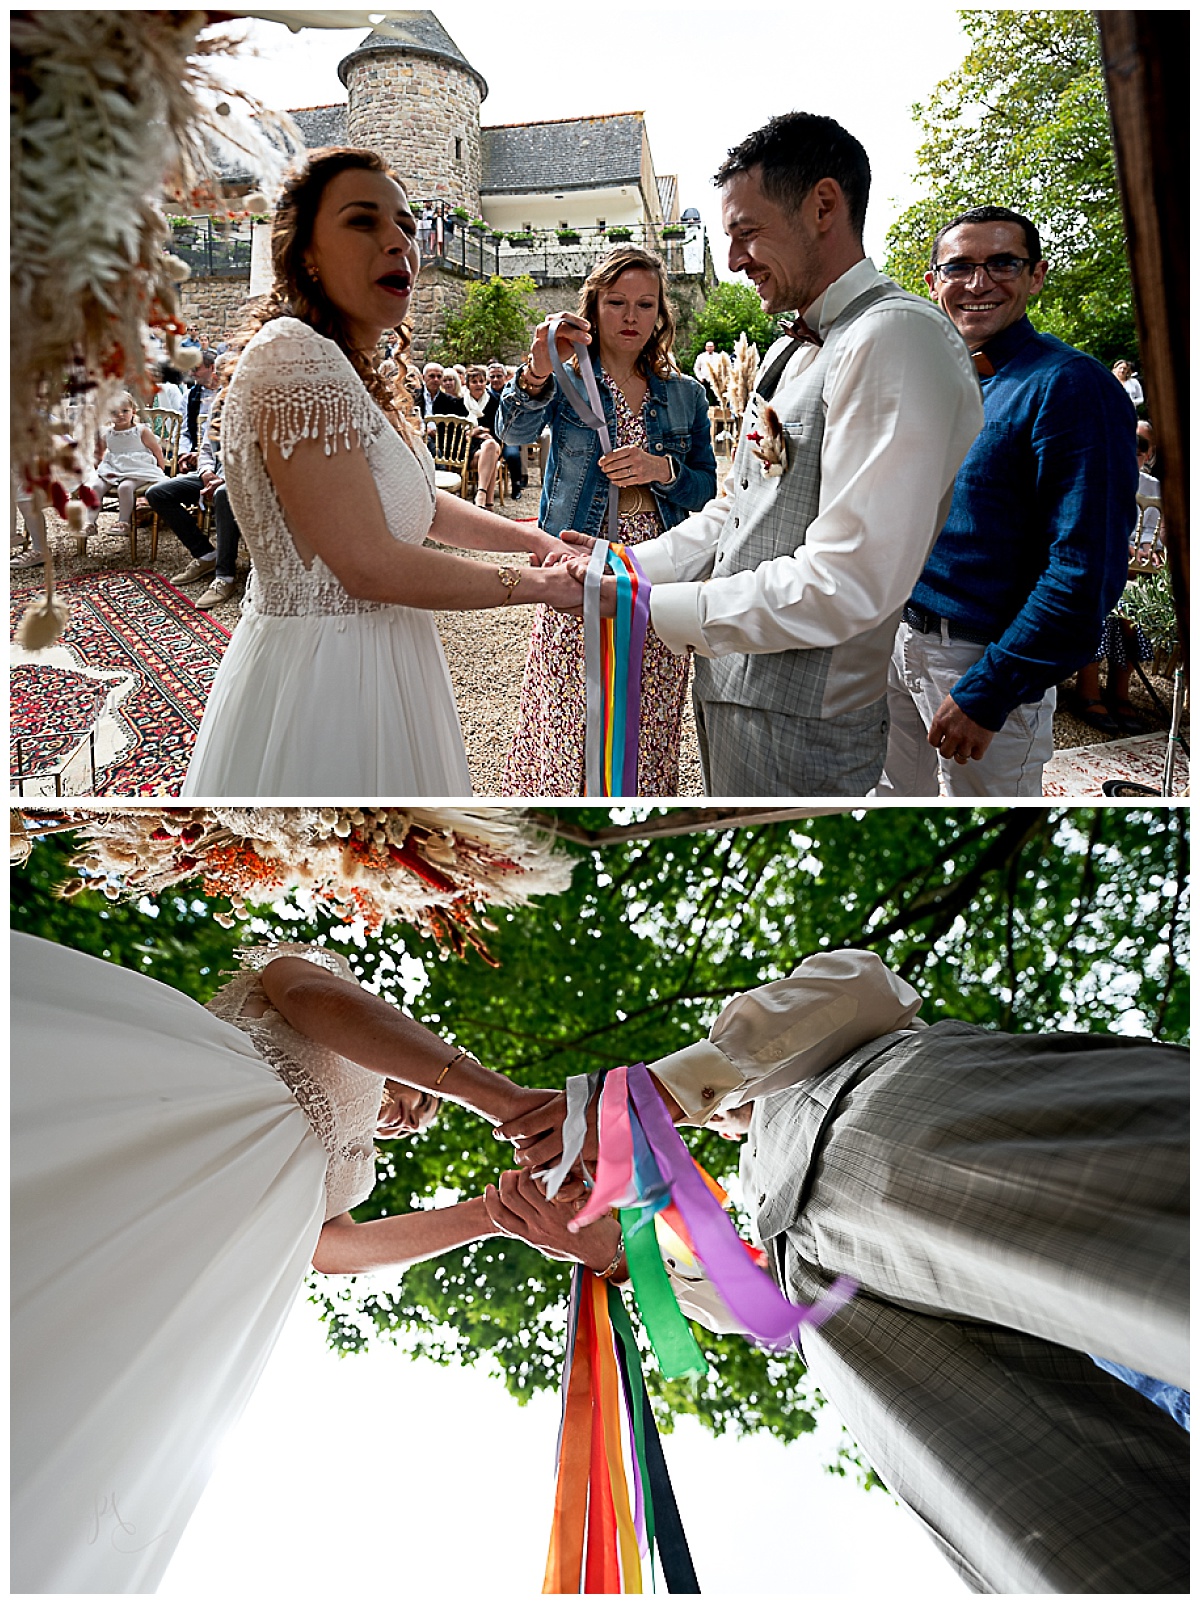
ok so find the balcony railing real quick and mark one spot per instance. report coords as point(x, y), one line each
point(211, 251)
point(547, 255)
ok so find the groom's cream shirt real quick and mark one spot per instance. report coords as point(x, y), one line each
point(786, 1031)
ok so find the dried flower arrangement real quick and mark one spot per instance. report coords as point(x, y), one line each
point(434, 868)
point(745, 370)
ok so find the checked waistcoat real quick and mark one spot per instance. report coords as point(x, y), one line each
point(769, 518)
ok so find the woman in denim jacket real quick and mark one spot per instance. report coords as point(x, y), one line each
point(662, 462)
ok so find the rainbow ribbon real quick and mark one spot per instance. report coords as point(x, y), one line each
point(646, 1174)
point(607, 1444)
point(613, 648)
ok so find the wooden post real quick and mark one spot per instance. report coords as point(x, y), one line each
point(1147, 82)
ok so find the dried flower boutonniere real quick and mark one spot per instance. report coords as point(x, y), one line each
point(769, 443)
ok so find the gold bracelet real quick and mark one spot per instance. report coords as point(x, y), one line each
point(461, 1053)
point(510, 578)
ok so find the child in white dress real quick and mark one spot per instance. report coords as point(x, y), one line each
point(132, 459)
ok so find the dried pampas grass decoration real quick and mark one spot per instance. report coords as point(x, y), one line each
point(434, 868)
point(110, 111)
point(45, 621)
point(745, 371)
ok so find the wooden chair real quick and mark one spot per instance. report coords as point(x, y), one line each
point(450, 444)
point(721, 418)
point(167, 427)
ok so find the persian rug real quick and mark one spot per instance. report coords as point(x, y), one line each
point(133, 625)
point(1080, 771)
point(53, 709)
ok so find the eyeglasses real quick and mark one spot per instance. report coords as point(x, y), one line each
point(1143, 446)
point(1000, 269)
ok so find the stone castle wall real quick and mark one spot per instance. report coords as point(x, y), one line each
point(215, 305)
point(420, 114)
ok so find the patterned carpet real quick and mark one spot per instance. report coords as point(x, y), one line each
point(159, 655)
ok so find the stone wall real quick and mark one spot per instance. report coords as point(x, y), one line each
point(214, 305)
point(420, 113)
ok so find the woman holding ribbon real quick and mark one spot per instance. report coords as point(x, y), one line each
point(335, 683)
point(661, 464)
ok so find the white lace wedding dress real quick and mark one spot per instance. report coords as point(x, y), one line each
point(172, 1166)
point(320, 695)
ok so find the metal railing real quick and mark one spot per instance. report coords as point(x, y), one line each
point(547, 255)
point(212, 251)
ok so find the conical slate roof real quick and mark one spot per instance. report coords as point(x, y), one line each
point(416, 33)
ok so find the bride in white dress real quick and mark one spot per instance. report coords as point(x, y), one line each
point(175, 1170)
point(335, 683)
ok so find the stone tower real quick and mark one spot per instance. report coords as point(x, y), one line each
point(415, 99)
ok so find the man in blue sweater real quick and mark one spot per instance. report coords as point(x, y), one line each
point(1035, 551)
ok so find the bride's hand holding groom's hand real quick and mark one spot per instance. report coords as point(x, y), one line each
point(518, 1207)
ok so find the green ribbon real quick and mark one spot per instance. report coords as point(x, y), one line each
point(671, 1337)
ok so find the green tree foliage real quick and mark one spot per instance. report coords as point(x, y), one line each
point(1024, 123)
point(731, 309)
point(1026, 920)
point(495, 324)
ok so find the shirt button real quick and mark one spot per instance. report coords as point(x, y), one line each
point(658, 446)
point(736, 522)
point(762, 1198)
point(745, 484)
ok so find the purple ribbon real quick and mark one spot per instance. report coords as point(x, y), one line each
point(749, 1295)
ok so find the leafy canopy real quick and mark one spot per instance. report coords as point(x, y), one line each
point(728, 311)
point(495, 324)
point(1023, 123)
point(1031, 919)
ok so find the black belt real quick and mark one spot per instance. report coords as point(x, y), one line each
point(931, 624)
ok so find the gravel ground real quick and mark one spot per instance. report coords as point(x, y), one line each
point(486, 653)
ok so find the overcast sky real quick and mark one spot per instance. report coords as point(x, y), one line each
point(705, 76)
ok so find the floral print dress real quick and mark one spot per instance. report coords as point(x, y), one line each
point(547, 754)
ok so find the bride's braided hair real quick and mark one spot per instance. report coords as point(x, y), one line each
point(296, 293)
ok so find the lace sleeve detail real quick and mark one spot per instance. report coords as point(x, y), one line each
point(295, 385)
point(259, 957)
point(340, 1099)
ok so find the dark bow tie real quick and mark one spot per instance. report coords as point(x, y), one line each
point(799, 330)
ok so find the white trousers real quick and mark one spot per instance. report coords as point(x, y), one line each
point(923, 671)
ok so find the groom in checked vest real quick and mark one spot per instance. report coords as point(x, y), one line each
point(788, 586)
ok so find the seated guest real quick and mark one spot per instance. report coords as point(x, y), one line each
point(497, 378)
point(431, 377)
point(449, 397)
point(1034, 552)
point(173, 498)
point(131, 461)
point(485, 448)
point(197, 405)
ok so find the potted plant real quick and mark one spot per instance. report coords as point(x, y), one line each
point(478, 226)
point(674, 231)
point(620, 233)
point(183, 230)
point(1150, 603)
point(568, 236)
point(520, 237)
point(498, 236)
point(461, 213)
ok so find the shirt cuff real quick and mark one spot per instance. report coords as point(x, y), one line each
point(675, 614)
point(698, 1078)
point(654, 559)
